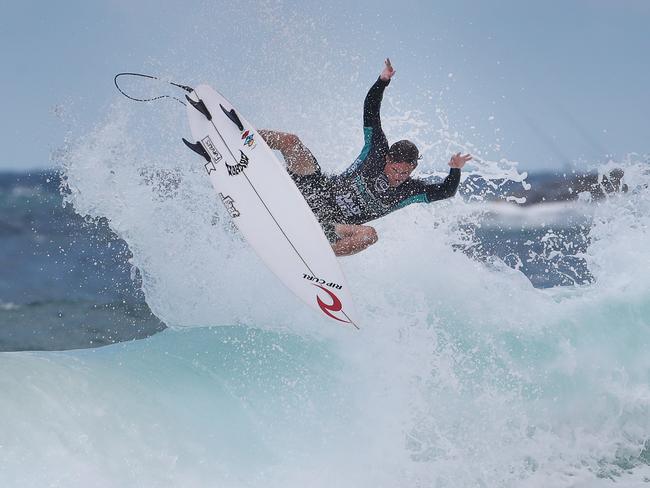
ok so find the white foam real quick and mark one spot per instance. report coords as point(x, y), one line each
point(462, 375)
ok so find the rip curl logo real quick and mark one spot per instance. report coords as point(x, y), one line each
point(248, 138)
point(330, 309)
point(321, 281)
point(381, 184)
point(235, 169)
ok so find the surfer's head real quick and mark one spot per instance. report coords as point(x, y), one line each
point(401, 160)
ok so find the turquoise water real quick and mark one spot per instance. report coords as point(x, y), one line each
point(441, 396)
point(463, 373)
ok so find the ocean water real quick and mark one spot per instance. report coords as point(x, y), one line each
point(500, 346)
point(507, 347)
point(68, 282)
point(65, 282)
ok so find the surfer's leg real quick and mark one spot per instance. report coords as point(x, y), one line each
point(353, 238)
point(300, 160)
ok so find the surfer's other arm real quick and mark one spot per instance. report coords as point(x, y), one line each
point(449, 186)
point(299, 158)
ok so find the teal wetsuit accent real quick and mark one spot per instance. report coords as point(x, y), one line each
point(367, 138)
point(420, 198)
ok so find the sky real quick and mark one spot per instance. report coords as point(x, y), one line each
point(552, 85)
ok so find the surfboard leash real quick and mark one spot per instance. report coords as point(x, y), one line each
point(188, 89)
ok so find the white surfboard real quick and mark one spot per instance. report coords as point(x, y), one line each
point(266, 206)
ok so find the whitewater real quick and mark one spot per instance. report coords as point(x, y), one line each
point(463, 374)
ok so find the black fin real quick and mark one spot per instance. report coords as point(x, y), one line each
point(232, 115)
point(200, 106)
point(198, 149)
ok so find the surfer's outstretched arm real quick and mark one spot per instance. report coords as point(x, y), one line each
point(300, 160)
point(372, 103)
point(446, 189)
point(449, 185)
point(375, 144)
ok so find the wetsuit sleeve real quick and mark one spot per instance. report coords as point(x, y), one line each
point(418, 191)
point(446, 189)
point(375, 144)
point(372, 104)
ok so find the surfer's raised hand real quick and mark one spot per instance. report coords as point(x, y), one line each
point(458, 161)
point(388, 71)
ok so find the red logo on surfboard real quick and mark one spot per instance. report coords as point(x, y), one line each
point(331, 308)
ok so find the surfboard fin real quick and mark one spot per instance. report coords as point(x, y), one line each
point(200, 106)
point(198, 149)
point(232, 115)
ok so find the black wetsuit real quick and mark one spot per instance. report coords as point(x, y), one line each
point(361, 193)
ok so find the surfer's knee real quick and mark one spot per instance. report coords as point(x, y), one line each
point(353, 238)
point(369, 235)
point(300, 160)
point(280, 141)
point(289, 142)
point(362, 234)
point(293, 140)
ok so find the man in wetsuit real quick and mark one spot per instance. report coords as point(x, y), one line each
point(377, 183)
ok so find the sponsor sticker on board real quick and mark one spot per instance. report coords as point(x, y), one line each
point(229, 203)
point(212, 149)
point(249, 139)
point(235, 169)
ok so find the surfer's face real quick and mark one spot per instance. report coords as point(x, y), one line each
point(397, 172)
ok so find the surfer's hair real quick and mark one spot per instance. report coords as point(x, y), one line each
point(404, 151)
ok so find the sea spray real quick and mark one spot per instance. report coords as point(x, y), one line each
point(463, 374)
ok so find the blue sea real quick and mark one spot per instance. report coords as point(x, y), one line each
point(68, 282)
point(144, 344)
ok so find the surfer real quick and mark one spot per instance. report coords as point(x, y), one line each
point(377, 183)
